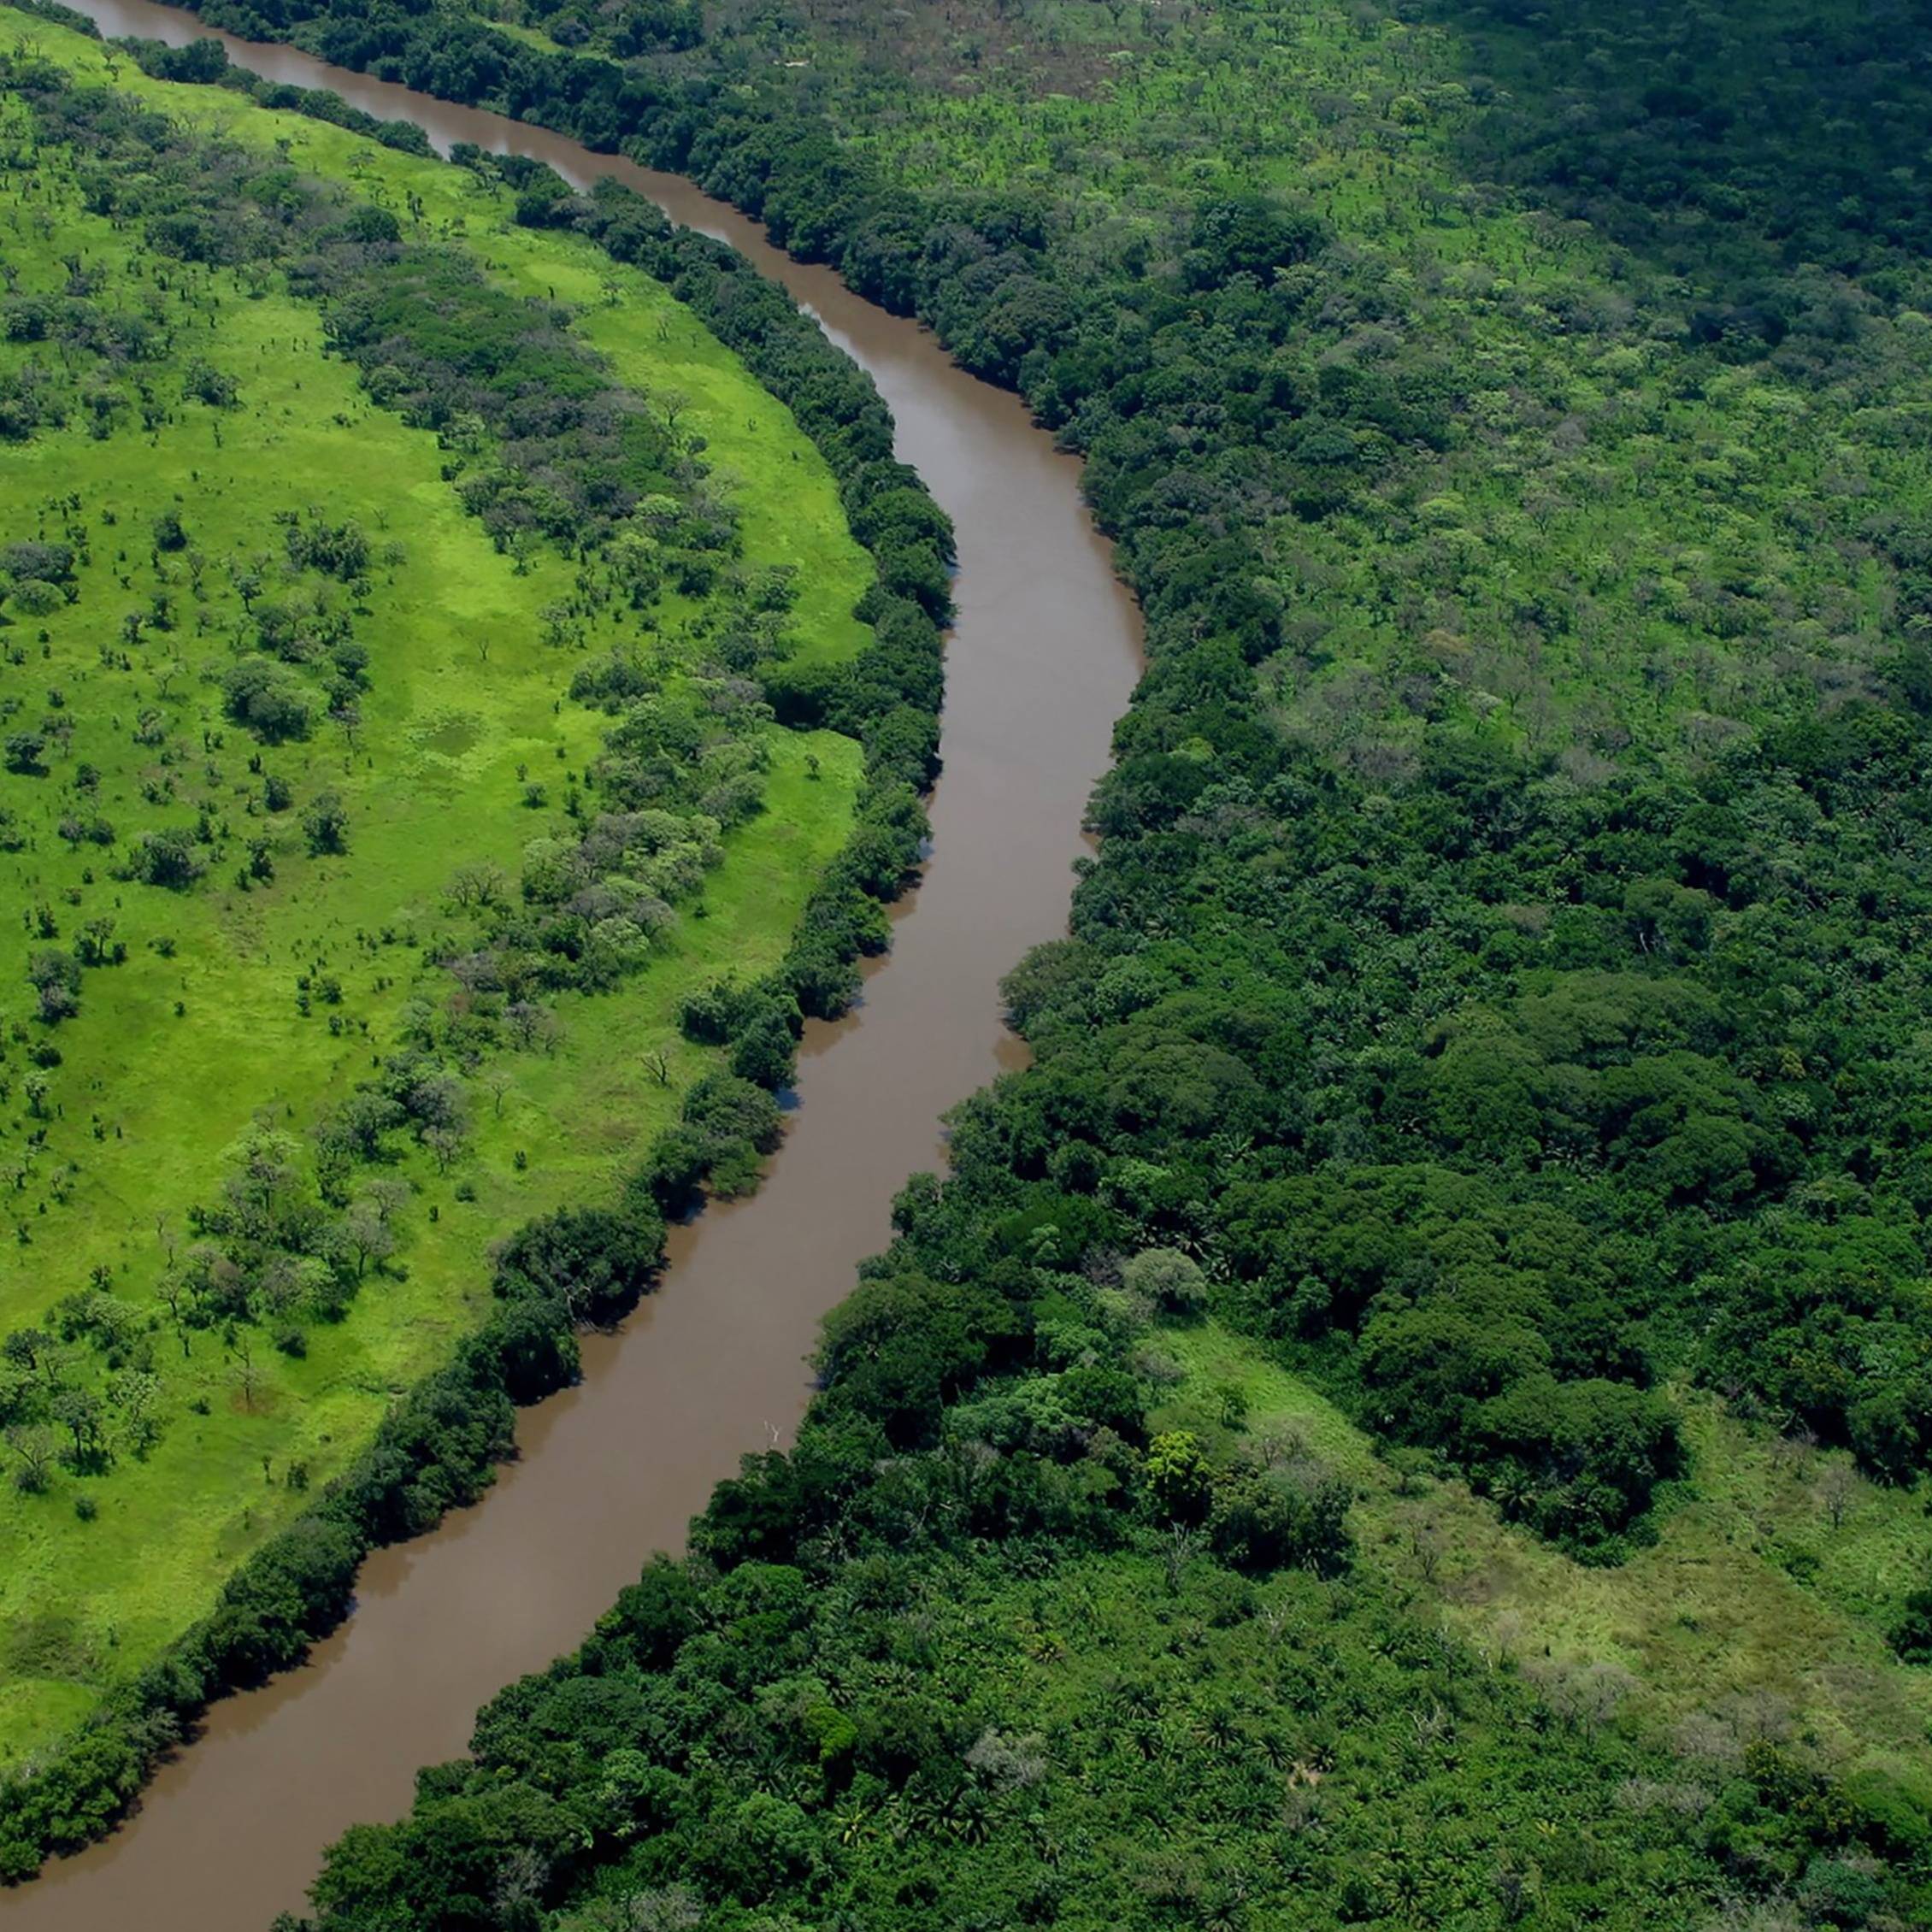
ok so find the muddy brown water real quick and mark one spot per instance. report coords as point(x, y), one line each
point(1042, 659)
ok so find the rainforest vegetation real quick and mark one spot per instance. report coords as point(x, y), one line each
point(1524, 817)
point(332, 513)
point(1414, 1408)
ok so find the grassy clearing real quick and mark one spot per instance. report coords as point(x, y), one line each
point(177, 1051)
point(1752, 1609)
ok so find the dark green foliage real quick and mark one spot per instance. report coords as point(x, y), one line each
point(26, 751)
point(435, 341)
point(764, 1052)
point(1490, 1088)
point(269, 699)
point(952, 1657)
point(596, 1261)
point(165, 858)
point(54, 976)
point(901, 1346)
point(1911, 1636)
point(267, 1614)
point(729, 1126)
point(1267, 1519)
point(325, 825)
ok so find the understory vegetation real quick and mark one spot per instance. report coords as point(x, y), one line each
point(1414, 1408)
point(1048, 1618)
point(398, 607)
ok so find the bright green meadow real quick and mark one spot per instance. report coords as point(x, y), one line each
point(260, 1006)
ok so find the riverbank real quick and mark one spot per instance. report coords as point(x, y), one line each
point(463, 688)
point(815, 909)
point(1025, 735)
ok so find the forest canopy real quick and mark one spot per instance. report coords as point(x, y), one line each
point(1484, 1067)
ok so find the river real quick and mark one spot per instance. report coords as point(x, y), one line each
point(1043, 657)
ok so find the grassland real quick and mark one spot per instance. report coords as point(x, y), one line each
point(201, 1032)
point(1760, 1610)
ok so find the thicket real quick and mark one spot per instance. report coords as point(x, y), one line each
point(563, 456)
point(994, 1644)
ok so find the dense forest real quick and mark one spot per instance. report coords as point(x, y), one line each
point(1485, 1064)
point(1450, 859)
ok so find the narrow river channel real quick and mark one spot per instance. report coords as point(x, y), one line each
point(1043, 658)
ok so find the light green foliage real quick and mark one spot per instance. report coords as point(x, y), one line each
point(1166, 1279)
point(1763, 1600)
point(1545, 525)
point(252, 993)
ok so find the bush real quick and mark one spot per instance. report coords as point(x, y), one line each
point(1911, 1636)
point(325, 825)
point(269, 698)
point(1263, 1519)
point(1167, 1279)
point(166, 859)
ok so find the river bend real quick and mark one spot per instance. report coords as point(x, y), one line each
point(1042, 658)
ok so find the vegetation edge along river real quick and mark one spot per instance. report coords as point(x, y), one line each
point(1414, 1408)
point(588, 1264)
